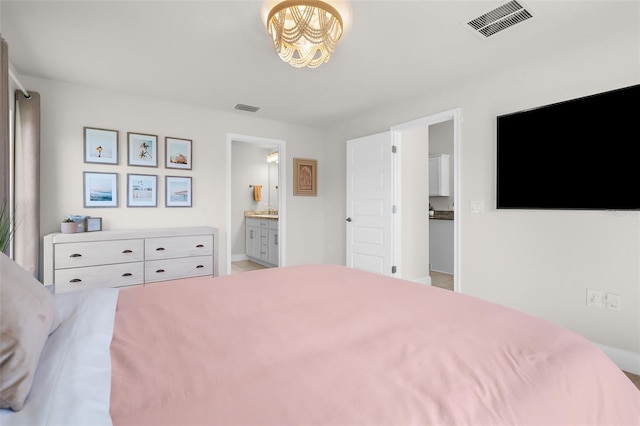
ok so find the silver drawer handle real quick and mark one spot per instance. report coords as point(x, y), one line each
point(127, 251)
point(199, 246)
point(160, 249)
point(199, 266)
point(160, 270)
point(75, 280)
point(127, 274)
point(76, 255)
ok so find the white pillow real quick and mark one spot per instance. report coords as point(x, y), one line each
point(28, 314)
point(72, 384)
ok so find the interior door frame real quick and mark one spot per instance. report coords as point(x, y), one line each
point(282, 192)
point(455, 115)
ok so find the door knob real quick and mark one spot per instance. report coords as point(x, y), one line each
point(348, 219)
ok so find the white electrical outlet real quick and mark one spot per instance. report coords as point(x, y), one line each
point(613, 301)
point(594, 298)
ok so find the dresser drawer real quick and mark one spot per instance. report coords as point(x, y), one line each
point(171, 269)
point(173, 247)
point(73, 255)
point(119, 275)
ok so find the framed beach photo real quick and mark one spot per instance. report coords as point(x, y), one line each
point(178, 191)
point(142, 190)
point(305, 177)
point(177, 153)
point(143, 149)
point(94, 224)
point(100, 146)
point(100, 189)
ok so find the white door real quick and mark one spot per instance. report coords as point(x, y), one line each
point(369, 203)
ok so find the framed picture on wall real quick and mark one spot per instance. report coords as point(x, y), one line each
point(305, 177)
point(142, 190)
point(143, 149)
point(100, 189)
point(177, 153)
point(100, 146)
point(178, 191)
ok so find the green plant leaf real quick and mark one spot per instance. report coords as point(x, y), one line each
point(7, 227)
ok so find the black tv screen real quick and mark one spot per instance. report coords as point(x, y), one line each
point(578, 154)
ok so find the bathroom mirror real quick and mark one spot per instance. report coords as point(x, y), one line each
point(272, 165)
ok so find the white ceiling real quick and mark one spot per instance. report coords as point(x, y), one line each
point(215, 54)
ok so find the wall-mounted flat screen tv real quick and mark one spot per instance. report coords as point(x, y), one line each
point(580, 154)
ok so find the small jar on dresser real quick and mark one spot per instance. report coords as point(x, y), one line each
point(123, 258)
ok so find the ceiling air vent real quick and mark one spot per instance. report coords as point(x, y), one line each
point(249, 108)
point(500, 18)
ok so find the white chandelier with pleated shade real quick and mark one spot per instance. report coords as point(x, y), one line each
point(304, 33)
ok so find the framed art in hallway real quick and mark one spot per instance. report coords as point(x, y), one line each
point(143, 149)
point(305, 177)
point(142, 190)
point(100, 146)
point(178, 191)
point(177, 153)
point(100, 189)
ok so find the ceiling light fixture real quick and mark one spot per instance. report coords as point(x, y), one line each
point(304, 33)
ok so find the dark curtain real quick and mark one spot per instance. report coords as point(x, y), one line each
point(4, 128)
point(27, 181)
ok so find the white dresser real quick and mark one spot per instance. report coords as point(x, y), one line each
point(122, 258)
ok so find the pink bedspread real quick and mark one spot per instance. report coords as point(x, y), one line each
point(329, 345)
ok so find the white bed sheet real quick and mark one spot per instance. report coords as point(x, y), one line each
point(72, 385)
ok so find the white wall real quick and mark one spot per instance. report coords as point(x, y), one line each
point(536, 261)
point(67, 108)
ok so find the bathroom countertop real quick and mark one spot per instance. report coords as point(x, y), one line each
point(261, 214)
point(442, 215)
point(264, 216)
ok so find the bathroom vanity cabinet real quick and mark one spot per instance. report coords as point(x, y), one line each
point(261, 236)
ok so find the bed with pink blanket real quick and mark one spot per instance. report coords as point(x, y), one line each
point(330, 345)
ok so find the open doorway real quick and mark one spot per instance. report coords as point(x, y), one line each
point(427, 244)
point(441, 204)
point(256, 178)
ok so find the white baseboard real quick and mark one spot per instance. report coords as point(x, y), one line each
point(424, 280)
point(625, 360)
point(239, 257)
